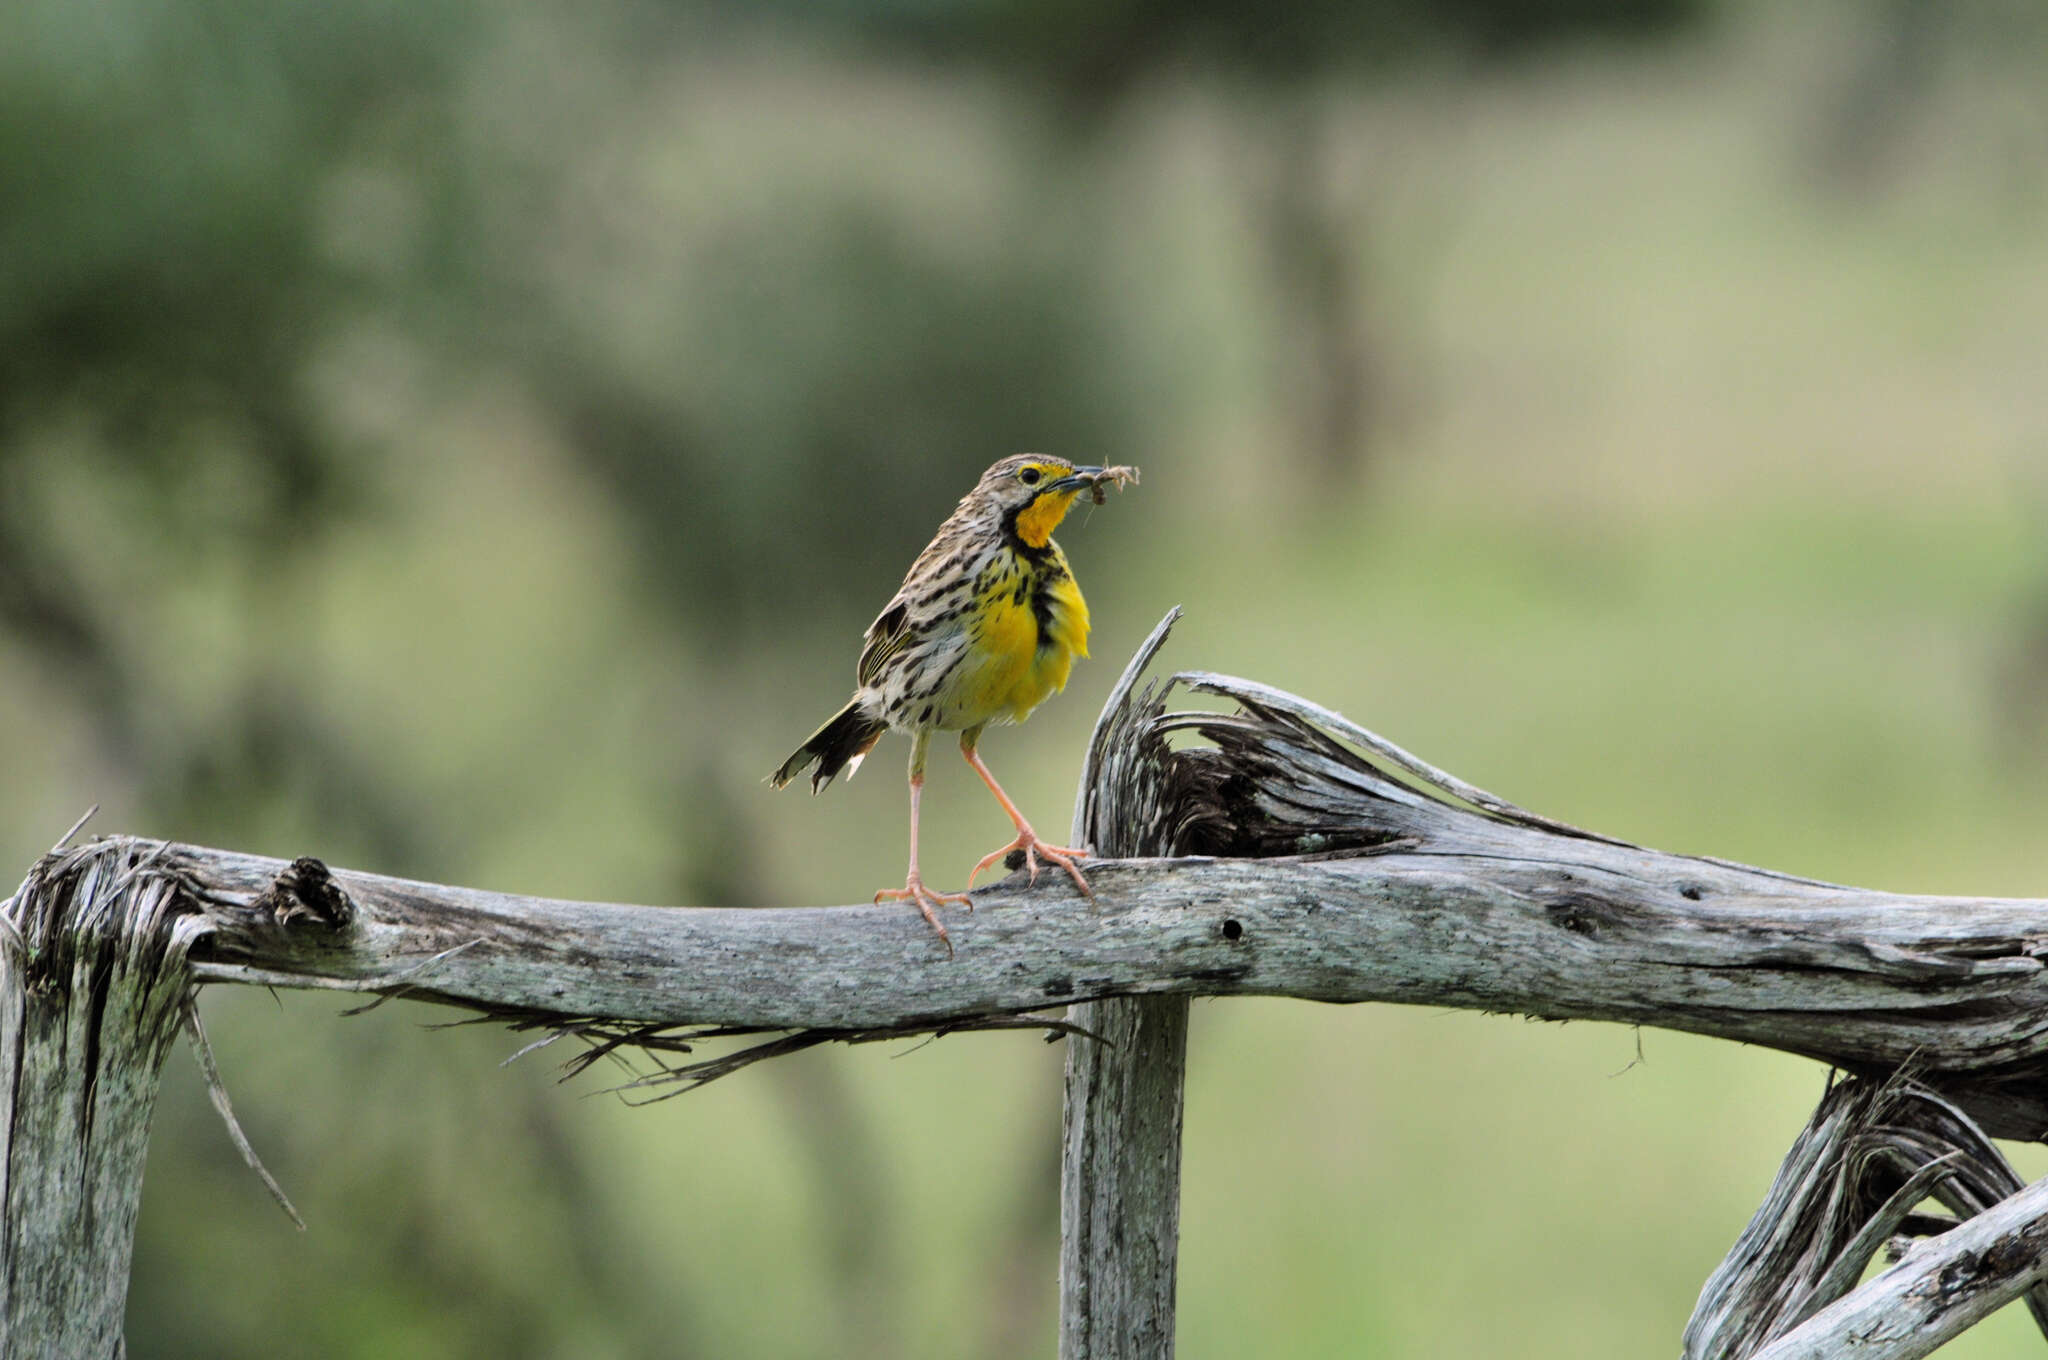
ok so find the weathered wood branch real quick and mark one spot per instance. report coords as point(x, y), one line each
point(1414, 889)
point(1582, 930)
point(1943, 1287)
point(1408, 887)
point(1872, 1153)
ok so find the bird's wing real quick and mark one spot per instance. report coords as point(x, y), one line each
point(886, 637)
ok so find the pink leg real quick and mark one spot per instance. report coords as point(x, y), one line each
point(1027, 839)
point(913, 888)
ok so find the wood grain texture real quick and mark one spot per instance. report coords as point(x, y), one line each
point(1495, 918)
point(1121, 1127)
point(92, 993)
point(1943, 1287)
point(1854, 1182)
point(1120, 1179)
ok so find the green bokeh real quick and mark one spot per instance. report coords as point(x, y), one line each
point(497, 451)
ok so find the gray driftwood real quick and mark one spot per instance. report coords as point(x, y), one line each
point(1314, 860)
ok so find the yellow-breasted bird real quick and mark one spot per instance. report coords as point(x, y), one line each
point(984, 629)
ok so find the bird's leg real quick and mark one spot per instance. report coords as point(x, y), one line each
point(913, 888)
point(1027, 839)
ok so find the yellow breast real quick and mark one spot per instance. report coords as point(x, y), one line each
point(1021, 655)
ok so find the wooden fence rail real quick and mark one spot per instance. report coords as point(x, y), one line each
point(1272, 849)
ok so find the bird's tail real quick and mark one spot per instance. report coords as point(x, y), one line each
point(842, 743)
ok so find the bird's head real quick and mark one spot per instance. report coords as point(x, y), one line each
point(1032, 492)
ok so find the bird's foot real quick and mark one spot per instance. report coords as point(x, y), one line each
point(1027, 841)
point(914, 890)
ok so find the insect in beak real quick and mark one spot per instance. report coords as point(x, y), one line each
point(1094, 479)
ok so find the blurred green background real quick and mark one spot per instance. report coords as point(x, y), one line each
point(466, 441)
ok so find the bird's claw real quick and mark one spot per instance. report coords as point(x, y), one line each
point(914, 890)
point(1028, 842)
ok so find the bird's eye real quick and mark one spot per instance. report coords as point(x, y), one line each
point(1029, 476)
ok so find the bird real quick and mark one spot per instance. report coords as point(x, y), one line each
point(986, 626)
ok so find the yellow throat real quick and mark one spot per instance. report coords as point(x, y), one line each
point(1036, 521)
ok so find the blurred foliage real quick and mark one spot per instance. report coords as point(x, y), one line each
point(1089, 59)
point(1092, 53)
point(841, 362)
point(466, 440)
point(161, 170)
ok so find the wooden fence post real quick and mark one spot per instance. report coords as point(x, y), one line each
point(1120, 1162)
point(1120, 1178)
point(93, 990)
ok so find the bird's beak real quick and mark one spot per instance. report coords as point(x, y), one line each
point(1079, 479)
